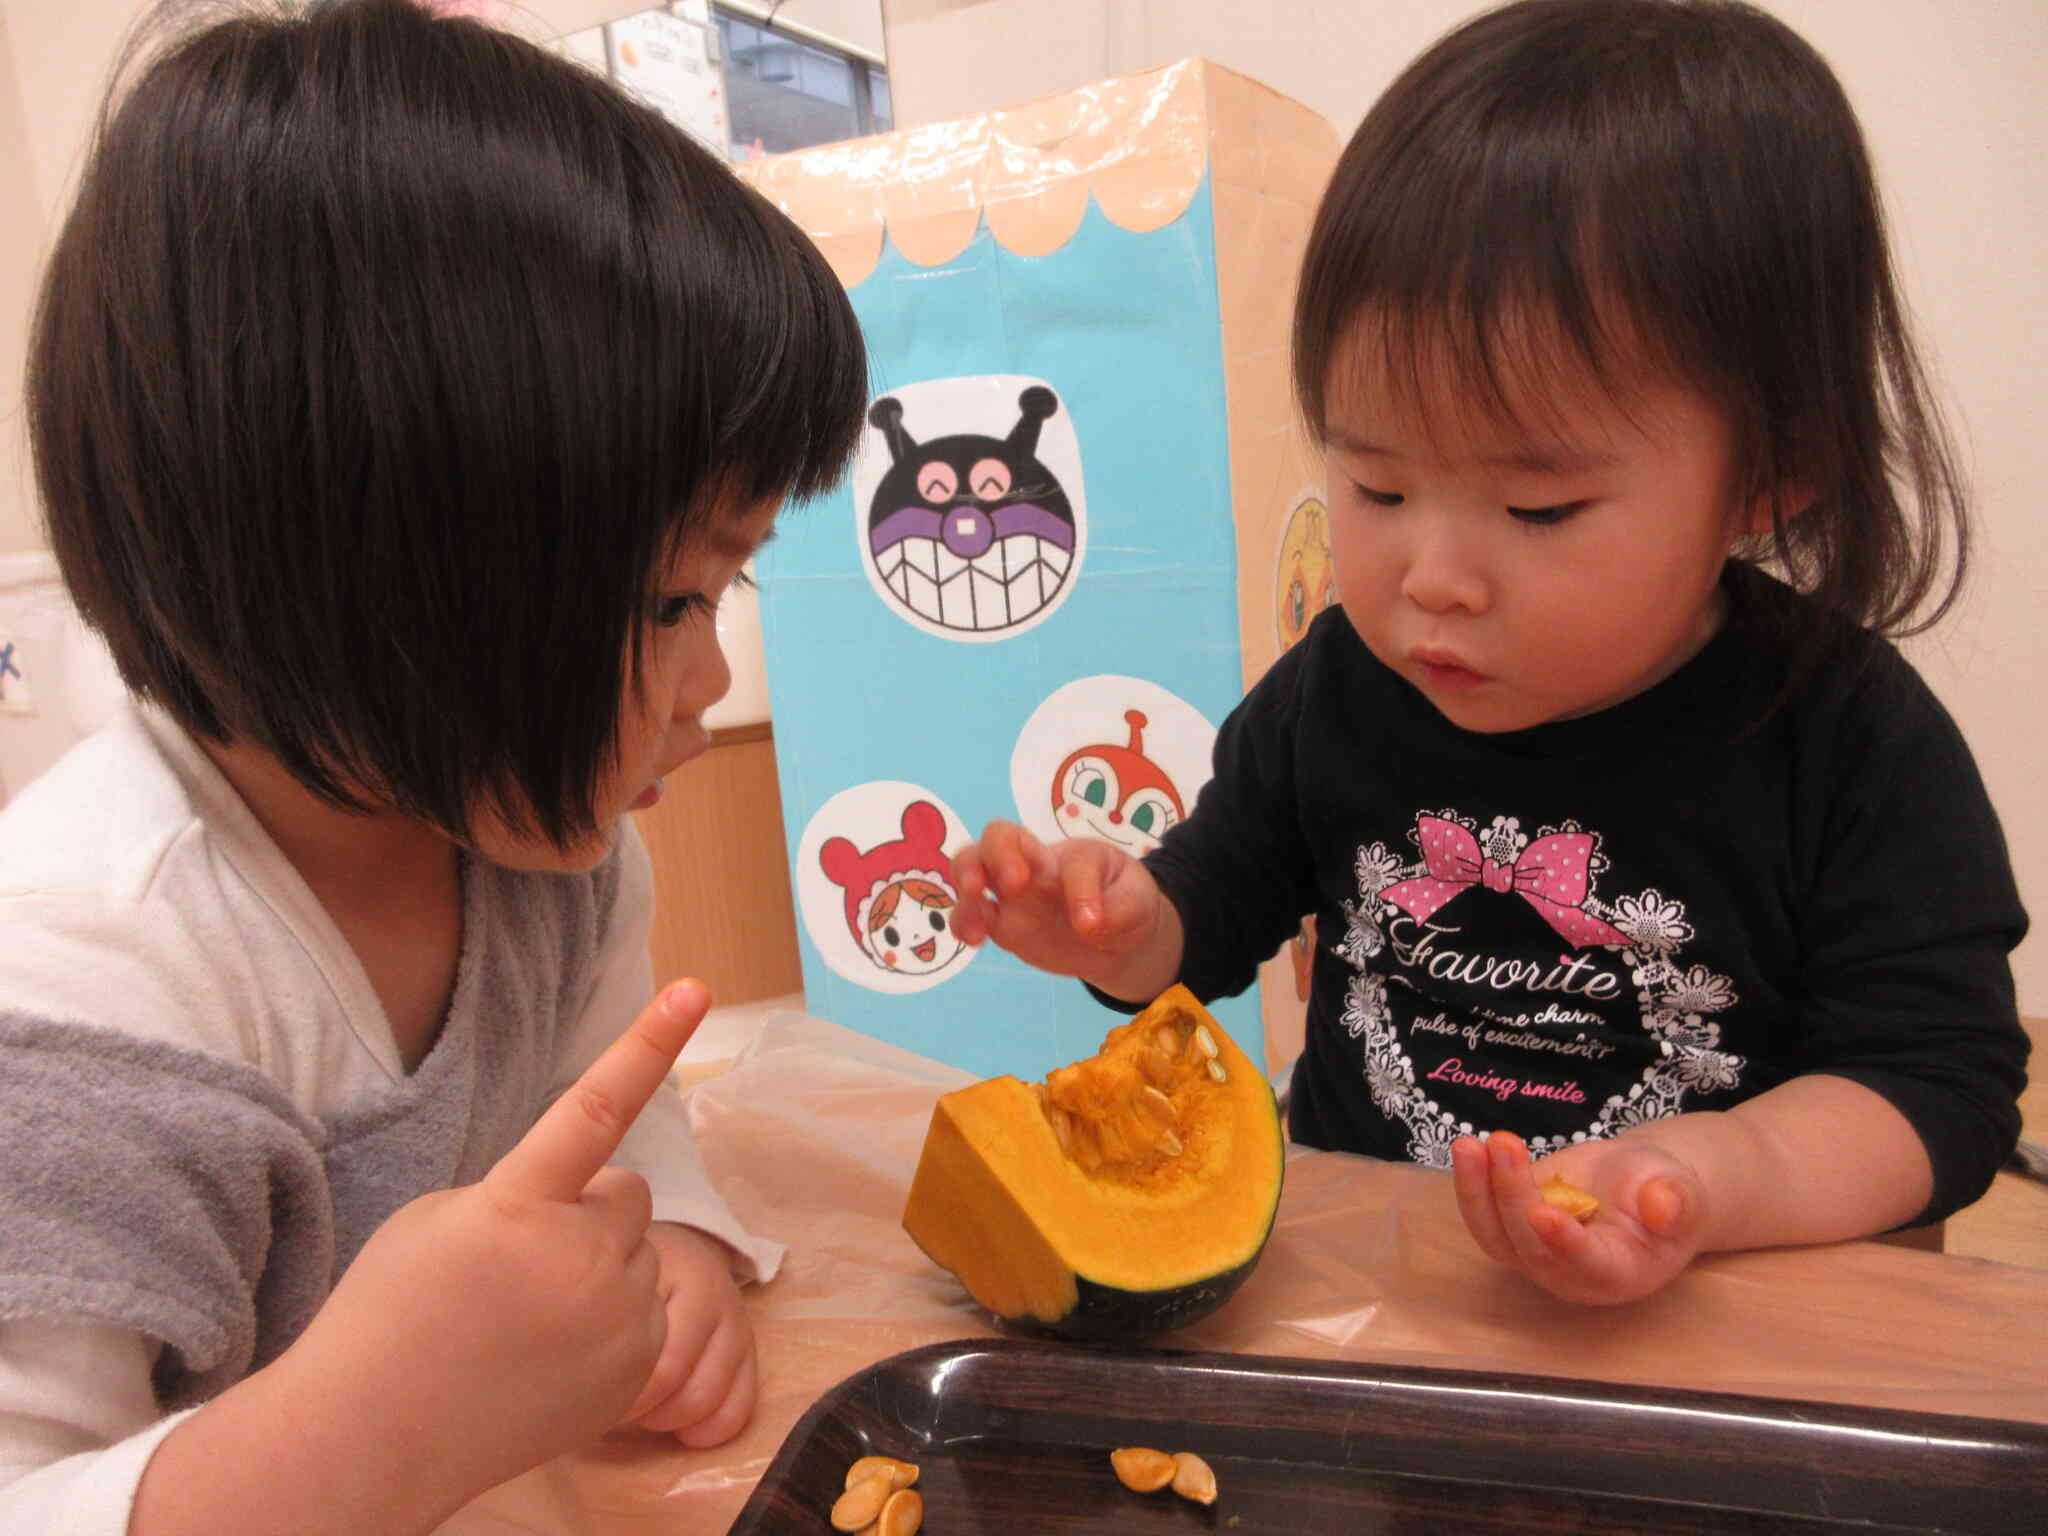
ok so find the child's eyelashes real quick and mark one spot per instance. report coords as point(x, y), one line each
point(1544, 517)
point(677, 607)
point(1537, 517)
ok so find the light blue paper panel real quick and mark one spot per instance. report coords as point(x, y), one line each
point(1124, 328)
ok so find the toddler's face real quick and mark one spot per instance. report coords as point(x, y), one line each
point(661, 724)
point(1523, 570)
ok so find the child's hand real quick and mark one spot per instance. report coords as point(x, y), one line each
point(486, 1329)
point(1647, 1229)
point(703, 1386)
point(1081, 907)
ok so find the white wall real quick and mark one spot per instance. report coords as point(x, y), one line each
point(1951, 96)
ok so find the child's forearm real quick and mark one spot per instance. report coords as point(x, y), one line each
point(1818, 1159)
point(271, 1455)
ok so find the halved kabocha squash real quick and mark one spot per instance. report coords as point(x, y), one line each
point(1127, 1194)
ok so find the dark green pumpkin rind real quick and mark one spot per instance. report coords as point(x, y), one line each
point(1104, 1314)
point(1108, 1314)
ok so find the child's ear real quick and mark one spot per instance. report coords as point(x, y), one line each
point(1788, 503)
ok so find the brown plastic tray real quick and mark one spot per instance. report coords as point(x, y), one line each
point(1013, 1435)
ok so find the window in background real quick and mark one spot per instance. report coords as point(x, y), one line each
point(785, 92)
point(737, 82)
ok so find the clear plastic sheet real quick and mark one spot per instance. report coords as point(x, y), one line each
point(814, 1133)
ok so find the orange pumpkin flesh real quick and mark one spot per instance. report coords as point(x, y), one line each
point(1129, 1194)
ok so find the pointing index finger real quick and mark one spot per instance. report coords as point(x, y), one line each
point(581, 1130)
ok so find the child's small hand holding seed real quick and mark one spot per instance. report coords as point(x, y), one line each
point(1575, 1202)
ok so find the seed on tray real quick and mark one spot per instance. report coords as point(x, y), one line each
point(1141, 1469)
point(861, 1505)
point(901, 1516)
point(1192, 1478)
point(877, 1500)
point(901, 1474)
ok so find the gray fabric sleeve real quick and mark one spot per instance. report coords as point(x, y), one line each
point(162, 1190)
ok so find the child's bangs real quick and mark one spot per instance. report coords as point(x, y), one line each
point(1461, 373)
point(1483, 309)
point(794, 394)
point(1512, 218)
point(1514, 347)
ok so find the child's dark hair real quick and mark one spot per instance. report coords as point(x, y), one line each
point(381, 365)
point(1681, 176)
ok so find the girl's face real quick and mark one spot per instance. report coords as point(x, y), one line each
point(916, 937)
point(684, 673)
point(1535, 565)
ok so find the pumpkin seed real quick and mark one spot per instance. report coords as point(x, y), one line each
point(901, 1516)
point(1192, 1478)
point(1116, 1146)
point(1206, 1041)
point(1062, 1127)
point(1141, 1469)
point(1216, 1071)
point(1086, 1147)
point(901, 1474)
point(1156, 1067)
point(1168, 1143)
point(861, 1504)
point(1158, 1104)
point(1573, 1201)
point(1167, 1039)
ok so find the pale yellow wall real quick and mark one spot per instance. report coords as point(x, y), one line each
point(1951, 96)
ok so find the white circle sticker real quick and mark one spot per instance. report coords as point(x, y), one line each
point(968, 504)
point(876, 887)
point(1116, 758)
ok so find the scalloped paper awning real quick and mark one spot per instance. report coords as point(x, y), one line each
point(1137, 144)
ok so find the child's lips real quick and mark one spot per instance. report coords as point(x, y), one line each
point(1444, 669)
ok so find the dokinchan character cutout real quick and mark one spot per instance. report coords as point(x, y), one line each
point(1116, 793)
point(970, 533)
point(899, 895)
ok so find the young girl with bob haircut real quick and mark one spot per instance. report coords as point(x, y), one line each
point(1631, 863)
point(402, 398)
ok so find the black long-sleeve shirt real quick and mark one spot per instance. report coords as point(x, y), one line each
point(1672, 904)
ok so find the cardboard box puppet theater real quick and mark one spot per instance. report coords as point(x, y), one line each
point(1082, 520)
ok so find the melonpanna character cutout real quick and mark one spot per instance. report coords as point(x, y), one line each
point(1116, 793)
point(900, 895)
point(971, 533)
point(1307, 575)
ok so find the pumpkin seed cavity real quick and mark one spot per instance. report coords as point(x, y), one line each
point(1127, 1112)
